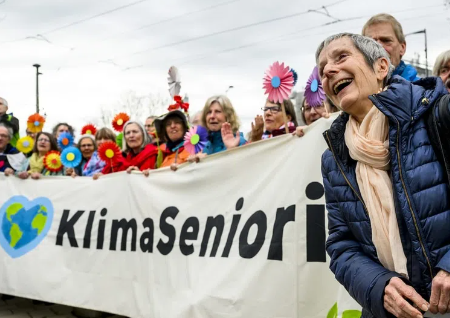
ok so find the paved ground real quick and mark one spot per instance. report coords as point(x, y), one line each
point(24, 308)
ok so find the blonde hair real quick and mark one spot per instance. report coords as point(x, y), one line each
point(386, 18)
point(441, 60)
point(227, 107)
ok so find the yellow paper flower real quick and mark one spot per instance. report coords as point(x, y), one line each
point(25, 144)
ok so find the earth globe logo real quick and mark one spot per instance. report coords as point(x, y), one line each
point(24, 224)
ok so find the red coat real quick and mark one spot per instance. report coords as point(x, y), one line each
point(146, 159)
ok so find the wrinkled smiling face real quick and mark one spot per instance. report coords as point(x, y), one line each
point(346, 78)
point(174, 128)
point(4, 138)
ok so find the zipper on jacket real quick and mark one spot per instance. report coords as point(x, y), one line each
point(345, 177)
point(407, 196)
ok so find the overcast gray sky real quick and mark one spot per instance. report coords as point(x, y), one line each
point(93, 51)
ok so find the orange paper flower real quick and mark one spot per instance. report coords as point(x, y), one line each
point(52, 161)
point(119, 121)
point(89, 129)
point(35, 123)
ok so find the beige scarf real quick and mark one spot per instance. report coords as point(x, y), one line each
point(368, 144)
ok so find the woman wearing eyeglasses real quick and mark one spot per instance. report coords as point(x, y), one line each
point(34, 167)
point(273, 123)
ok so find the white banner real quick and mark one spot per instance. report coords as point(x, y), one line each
point(240, 234)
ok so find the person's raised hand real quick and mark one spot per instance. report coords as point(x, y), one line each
point(440, 293)
point(257, 128)
point(398, 297)
point(229, 140)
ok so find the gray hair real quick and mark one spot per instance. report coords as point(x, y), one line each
point(369, 48)
point(9, 129)
point(441, 60)
point(145, 137)
point(4, 101)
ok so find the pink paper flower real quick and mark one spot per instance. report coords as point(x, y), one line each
point(278, 82)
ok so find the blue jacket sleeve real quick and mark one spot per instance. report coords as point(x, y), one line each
point(362, 277)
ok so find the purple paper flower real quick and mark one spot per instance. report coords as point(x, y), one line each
point(195, 139)
point(314, 93)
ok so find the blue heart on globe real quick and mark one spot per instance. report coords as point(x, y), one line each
point(24, 224)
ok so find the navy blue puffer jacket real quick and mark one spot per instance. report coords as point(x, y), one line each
point(421, 197)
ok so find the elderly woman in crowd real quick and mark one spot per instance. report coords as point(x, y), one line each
point(34, 167)
point(91, 163)
point(138, 152)
point(442, 68)
point(11, 159)
point(171, 128)
point(87, 147)
point(62, 127)
point(311, 114)
point(222, 123)
point(273, 124)
point(387, 195)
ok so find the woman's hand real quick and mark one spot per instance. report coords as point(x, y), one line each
point(196, 158)
point(8, 172)
point(440, 293)
point(36, 175)
point(69, 171)
point(97, 175)
point(23, 175)
point(299, 131)
point(397, 296)
point(73, 175)
point(146, 172)
point(174, 167)
point(132, 168)
point(230, 141)
point(257, 128)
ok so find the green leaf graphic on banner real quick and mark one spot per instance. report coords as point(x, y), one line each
point(333, 313)
point(351, 314)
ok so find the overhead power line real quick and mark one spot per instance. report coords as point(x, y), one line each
point(225, 31)
point(76, 22)
point(215, 6)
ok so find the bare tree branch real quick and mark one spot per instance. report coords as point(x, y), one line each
point(138, 107)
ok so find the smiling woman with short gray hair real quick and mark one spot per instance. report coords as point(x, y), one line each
point(387, 194)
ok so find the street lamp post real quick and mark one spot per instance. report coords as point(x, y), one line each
point(424, 31)
point(37, 66)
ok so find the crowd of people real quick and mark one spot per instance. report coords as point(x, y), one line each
point(386, 185)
